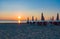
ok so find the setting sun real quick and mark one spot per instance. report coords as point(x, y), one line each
point(19, 17)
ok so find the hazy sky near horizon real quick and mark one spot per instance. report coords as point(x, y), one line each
point(10, 9)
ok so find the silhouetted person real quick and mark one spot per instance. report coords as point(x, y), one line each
point(42, 17)
point(57, 17)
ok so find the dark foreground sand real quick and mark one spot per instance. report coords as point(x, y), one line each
point(27, 31)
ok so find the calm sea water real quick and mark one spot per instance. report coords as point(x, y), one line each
point(12, 21)
point(27, 31)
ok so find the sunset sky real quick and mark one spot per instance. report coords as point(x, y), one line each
point(11, 9)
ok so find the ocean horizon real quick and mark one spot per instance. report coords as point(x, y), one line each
point(12, 21)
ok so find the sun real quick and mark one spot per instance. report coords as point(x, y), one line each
point(19, 17)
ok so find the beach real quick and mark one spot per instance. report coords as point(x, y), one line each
point(28, 31)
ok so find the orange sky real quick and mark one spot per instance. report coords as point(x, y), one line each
point(15, 14)
point(22, 17)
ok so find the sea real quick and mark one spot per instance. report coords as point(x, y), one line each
point(22, 30)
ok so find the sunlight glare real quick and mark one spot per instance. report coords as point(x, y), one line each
point(18, 21)
point(19, 17)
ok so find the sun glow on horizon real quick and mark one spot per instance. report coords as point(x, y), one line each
point(19, 17)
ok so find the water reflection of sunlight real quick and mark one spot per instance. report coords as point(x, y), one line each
point(19, 21)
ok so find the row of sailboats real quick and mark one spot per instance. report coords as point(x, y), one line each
point(43, 21)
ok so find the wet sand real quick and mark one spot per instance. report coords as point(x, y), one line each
point(28, 31)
